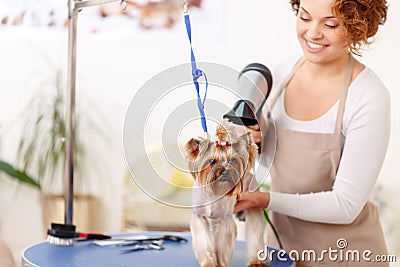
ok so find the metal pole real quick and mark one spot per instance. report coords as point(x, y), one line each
point(73, 8)
point(70, 127)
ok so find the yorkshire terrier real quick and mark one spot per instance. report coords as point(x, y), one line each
point(221, 170)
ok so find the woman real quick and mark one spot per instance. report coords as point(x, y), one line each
point(332, 118)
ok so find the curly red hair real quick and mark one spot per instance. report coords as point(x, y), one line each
point(360, 19)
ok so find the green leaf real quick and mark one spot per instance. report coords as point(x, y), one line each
point(19, 175)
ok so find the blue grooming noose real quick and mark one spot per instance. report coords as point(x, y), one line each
point(196, 73)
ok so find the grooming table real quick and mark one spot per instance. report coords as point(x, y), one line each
point(87, 254)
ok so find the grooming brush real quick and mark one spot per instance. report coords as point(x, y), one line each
point(65, 234)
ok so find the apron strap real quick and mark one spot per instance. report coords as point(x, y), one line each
point(343, 94)
point(286, 82)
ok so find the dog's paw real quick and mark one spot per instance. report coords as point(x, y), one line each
point(257, 264)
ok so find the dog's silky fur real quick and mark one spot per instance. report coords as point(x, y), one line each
point(221, 169)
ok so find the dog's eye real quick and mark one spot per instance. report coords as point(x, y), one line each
point(212, 162)
point(233, 161)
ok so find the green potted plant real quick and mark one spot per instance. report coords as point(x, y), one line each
point(42, 151)
point(42, 148)
point(9, 170)
point(18, 175)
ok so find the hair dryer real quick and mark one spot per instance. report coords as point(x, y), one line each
point(253, 87)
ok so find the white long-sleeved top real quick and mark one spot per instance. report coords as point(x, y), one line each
point(365, 132)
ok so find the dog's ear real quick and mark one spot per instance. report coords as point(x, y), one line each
point(248, 138)
point(192, 149)
point(195, 147)
point(245, 139)
point(253, 148)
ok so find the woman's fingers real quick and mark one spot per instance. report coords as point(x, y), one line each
point(242, 202)
point(254, 127)
point(248, 200)
point(239, 207)
point(255, 132)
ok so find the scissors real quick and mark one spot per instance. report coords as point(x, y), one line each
point(138, 247)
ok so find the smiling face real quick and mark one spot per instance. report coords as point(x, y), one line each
point(320, 33)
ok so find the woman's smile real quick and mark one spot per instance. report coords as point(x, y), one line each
point(314, 47)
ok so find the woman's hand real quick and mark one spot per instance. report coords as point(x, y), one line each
point(248, 200)
point(255, 133)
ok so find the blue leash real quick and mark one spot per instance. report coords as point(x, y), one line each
point(196, 73)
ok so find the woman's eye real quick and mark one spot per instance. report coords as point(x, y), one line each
point(304, 19)
point(212, 162)
point(331, 26)
point(233, 161)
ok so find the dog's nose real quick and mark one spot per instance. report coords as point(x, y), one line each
point(224, 176)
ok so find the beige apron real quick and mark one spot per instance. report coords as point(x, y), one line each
point(308, 162)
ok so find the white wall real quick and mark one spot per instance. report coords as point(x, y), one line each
point(112, 69)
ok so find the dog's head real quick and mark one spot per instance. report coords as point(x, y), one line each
point(221, 166)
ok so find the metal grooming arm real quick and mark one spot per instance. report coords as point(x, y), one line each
point(74, 6)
